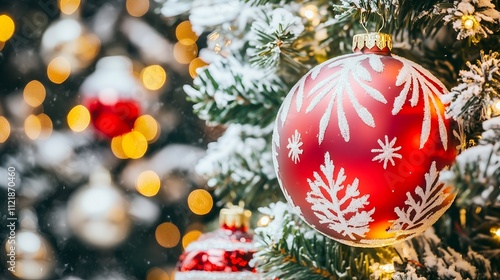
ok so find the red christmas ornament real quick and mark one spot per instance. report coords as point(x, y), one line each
point(223, 254)
point(358, 145)
point(113, 96)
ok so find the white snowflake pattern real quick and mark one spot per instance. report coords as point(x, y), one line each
point(294, 144)
point(342, 214)
point(423, 207)
point(387, 152)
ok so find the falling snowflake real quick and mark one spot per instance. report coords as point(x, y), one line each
point(388, 151)
point(294, 145)
point(423, 207)
point(342, 214)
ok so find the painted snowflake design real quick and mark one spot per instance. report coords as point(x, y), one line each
point(294, 144)
point(387, 153)
point(423, 207)
point(342, 214)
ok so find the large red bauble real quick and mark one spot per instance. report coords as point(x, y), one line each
point(358, 145)
point(113, 119)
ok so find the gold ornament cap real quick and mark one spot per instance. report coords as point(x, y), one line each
point(375, 42)
point(235, 217)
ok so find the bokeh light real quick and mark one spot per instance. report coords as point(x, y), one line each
point(264, 221)
point(148, 126)
point(189, 237)
point(200, 202)
point(58, 70)
point(134, 144)
point(185, 53)
point(34, 93)
point(2, 44)
point(153, 77)
point(185, 34)
point(137, 8)
point(117, 147)
point(167, 235)
point(32, 127)
point(46, 126)
point(157, 273)
point(7, 28)
point(4, 129)
point(68, 7)
point(194, 65)
point(148, 183)
point(78, 118)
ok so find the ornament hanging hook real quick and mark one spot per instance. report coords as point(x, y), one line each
point(383, 21)
point(362, 20)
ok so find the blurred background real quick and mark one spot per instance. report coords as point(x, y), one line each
point(97, 140)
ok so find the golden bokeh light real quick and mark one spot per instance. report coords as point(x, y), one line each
point(185, 53)
point(167, 235)
point(148, 183)
point(157, 273)
point(117, 147)
point(185, 34)
point(87, 47)
point(153, 77)
point(32, 127)
point(68, 7)
point(7, 28)
point(58, 70)
point(264, 221)
point(34, 93)
point(45, 125)
point(4, 129)
point(190, 237)
point(194, 65)
point(137, 8)
point(78, 118)
point(148, 126)
point(200, 202)
point(2, 44)
point(134, 145)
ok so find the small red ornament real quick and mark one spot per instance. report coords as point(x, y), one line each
point(358, 145)
point(113, 96)
point(223, 254)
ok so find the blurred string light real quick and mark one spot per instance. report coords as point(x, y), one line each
point(157, 273)
point(2, 44)
point(134, 144)
point(137, 8)
point(34, 93)
point(184, 54)
point(264, 221)
point(148, 183)
point(148, 126)
point(58, 70)
point(68, 7)
point(167, 235)
point(190, 236)
point(194, 65)
point(7, 28)
point(200, 202)
point(4, 129)
point(311, 13)
point(78, 118)
point(153, 77)
point(495, 231)
point(117, 147)
point(185, 34)
point(38, 127)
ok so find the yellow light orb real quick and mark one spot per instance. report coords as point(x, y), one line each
point(2, 44)
point(68, 7)
point(134, 144)
point(32, 127)
point(185, 34)
point(78, 118)
point(117, 147)
point(190, 237)
point(137, 8)
point(58, 70)
point(45, 125)
point(496, 232)
point(309, 11)
point(4, 129)
point(153, 77)
point(264, 221)
point(148, 183)
point(157, 273)
point(468, 21)
point(167, 235)
point(200, 202)
point(34, 93)
point(185, 53)
point(7, 28)
point(146, 125)
point(194, 65)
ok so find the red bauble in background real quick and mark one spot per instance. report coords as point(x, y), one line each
point(358, 145)
point(113, 96)
point(223, 254)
